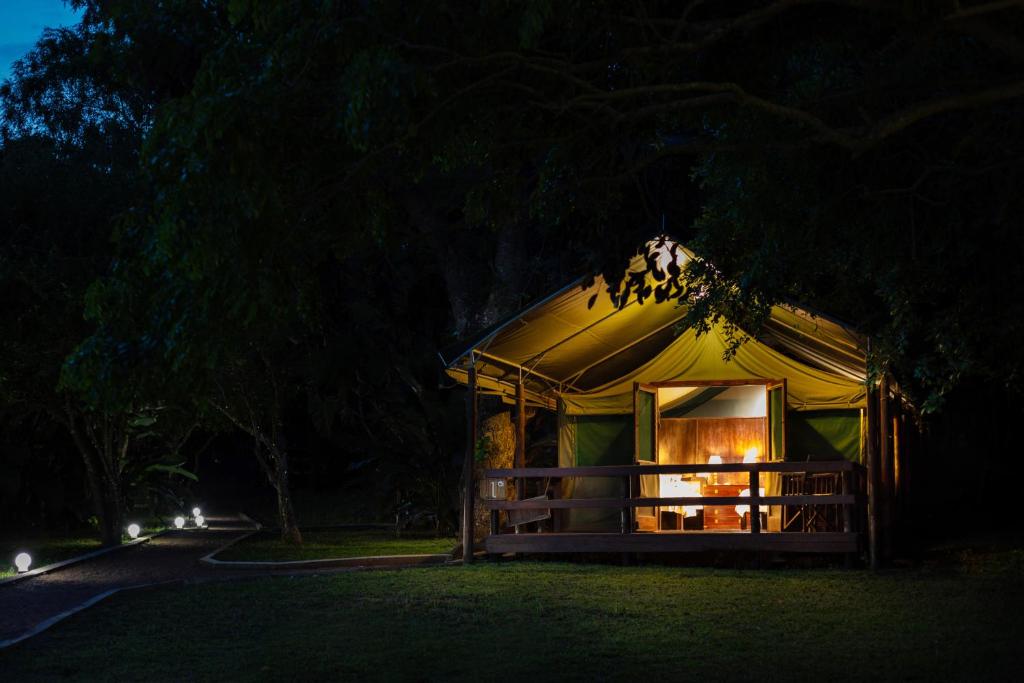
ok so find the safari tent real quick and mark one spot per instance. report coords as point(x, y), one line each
point(666, 442)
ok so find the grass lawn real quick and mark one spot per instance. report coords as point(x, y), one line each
point(553, 621)
point(337, 543)
point(44, 551)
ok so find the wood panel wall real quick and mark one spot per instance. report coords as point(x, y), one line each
point(687, 440)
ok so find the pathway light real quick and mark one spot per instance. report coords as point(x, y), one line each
point(133, 531)
point(23, 561)
point(179, 522)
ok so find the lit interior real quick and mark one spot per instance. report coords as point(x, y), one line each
point(713, 425)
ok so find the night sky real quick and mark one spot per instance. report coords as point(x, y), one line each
point(21, 24)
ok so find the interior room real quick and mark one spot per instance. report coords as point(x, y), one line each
point(711, 424)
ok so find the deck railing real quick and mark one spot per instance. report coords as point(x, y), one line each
point(850, 497)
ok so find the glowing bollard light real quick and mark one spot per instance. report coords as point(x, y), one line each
point(179, 522)
point(200, 521)
point(196, 512)
point(133, 531)
point(23, 561)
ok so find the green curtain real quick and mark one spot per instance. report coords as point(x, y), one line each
point(776, 409)
point(593, 440)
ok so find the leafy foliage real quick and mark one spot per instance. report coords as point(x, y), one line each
point(307, 199)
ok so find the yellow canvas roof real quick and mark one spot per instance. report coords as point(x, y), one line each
point(590, 354)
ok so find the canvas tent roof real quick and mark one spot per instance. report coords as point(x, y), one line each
point(562, 346)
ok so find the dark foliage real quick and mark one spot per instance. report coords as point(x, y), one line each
point(307, 199)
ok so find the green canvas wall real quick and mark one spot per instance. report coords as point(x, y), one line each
point(823, 435)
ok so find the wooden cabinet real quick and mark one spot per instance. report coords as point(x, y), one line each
point(721, 517)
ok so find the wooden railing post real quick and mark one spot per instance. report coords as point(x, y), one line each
point(846, 510)
point(626, 514)
point(755, 501)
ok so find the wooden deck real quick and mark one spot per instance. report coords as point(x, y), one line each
point(672, 542)
point(843, 536)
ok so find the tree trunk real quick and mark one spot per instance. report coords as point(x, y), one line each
point(285, 511)
point(104, 490)
point(112, 521)
point(95, 492)
point(272, 456)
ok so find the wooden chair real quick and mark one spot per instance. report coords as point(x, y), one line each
point(822, 517)
point(793, 516)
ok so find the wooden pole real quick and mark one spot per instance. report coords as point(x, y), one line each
point(520, 424)
point(520, 456)
point(886, 467)
point(467, 465)
point(872, 474)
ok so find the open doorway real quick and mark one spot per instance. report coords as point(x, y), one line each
point(700, 423)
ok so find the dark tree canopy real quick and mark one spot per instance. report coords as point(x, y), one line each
point(307, 199)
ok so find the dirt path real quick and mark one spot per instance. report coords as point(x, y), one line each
point(172, 557)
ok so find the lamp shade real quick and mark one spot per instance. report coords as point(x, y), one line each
point(745, 493)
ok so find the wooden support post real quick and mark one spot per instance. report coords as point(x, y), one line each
point(520, 457)
point(872, 477)
point(755, 502)
point(886, 471)
point(467, 465)
point(520, 425)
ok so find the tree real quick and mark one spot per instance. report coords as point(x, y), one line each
point(52, 248)
point(800, 147)
point(247, 272)
point(70, 132)
point(320, 170)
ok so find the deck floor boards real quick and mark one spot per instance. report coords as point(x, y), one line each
point(672, 542)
